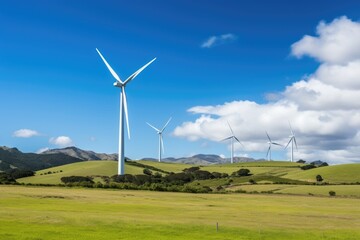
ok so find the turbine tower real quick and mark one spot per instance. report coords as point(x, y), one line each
point(232, 137)
point(268, 154)
point(123, 109)
point(292, 140)
point(161, 143)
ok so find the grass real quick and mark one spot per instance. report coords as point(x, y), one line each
point(169, 167)
point(62, 213)
point(88, 168)
point(341, 190)
point(344, 173)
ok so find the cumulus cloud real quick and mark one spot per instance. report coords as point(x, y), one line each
point(218, 40)
point(323, 108)
point(336, 43)
point(25, 133)
point(61, 141)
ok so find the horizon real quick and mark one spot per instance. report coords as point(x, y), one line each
point(257, 65)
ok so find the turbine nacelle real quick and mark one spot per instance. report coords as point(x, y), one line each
point(118, 84)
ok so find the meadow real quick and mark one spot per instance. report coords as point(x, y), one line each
point(35, 213)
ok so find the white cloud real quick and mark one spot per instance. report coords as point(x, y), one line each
point(25, 133)
point(41, 150)
point(61, 141)
point(323, 108)
point(218, 40)
point(337, 43)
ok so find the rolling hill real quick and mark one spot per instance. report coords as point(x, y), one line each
point(13, 158)
point(344, 173)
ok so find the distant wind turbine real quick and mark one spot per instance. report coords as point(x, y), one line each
point(292, 140)
point(268, 154)
point(123, 108)
point(161, 142)
point(232, 137)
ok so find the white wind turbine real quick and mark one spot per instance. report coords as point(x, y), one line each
point(268, 154)
point(292, 140)
point(232, 137)
point(123, 108)
point(161, 142)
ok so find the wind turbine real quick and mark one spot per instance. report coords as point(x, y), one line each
point(161, 143)
point(268, 154)
point(232, 137)
point(123, 108)
point(292, 140)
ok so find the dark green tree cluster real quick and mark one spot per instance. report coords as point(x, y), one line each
point(6, 178)
point(77, 179)
point(243, 172)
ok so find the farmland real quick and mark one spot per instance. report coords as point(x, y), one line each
point(72, 213)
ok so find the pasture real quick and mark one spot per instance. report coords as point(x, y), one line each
point(71, 213)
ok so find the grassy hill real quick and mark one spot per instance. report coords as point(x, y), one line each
point(273, 176)
point(344, 173)
point(87, 168)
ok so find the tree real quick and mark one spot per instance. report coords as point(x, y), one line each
point(241, 172)
point(301, 161)
point(147, 171)
point(307, 167)
point(319, 178)
point(332, 194)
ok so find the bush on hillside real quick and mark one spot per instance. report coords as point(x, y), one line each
point(18, 173)
point(77, 179)
point(319, 178)
point(241, 173)
point(191, 169)
point(307, 167)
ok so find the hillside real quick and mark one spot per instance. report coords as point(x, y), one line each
point(344, 173)
point(82, 154)
point(86, 168)
point(13, 158)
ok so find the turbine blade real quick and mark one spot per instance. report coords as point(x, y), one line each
point(292, 133)
point(231, 129)
point(278, 144)
point(288, 143)
point(162, 144)
point(126, 110)
point(153, 127)
point(166, 124)
point(109, 67)
point(267, 153)
point(295, 143)
point(226, 138)
point(268, 136)
point(238, 141)
point(132, 76)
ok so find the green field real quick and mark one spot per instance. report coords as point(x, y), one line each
point(267, 174)
point(88, 168)
point(317, 190)
point(70, 213)
point(344, 173)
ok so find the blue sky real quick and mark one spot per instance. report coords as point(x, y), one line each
point(53, 83)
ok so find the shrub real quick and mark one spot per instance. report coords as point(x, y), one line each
point(77, 179)
point(332, 193)
point(241, 173)
point(147, 171)
point(202, 175)
point(190, 170)
point(252, 181)
point(307, 167)
point(319, 178)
